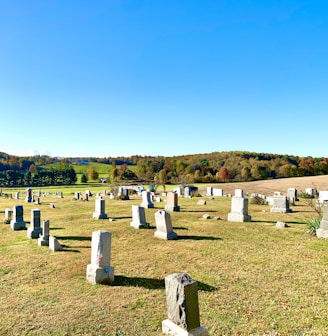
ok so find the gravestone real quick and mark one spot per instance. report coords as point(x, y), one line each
point(35, 230)
point(164, 228)
point(323, 196)
point(146, 199)
point(187, 192)
point(217, 192)
point(182, 306)
point(239, 210)
point(17, 195)
point(100, 271)
point(44, 238)
point(99, 209)
point(60, 194)
point(311, 192)
point(280, 225)
point(54, 244)
point(8, 216)
point(209, 191)
point(201, 202)
point(322, 232)
point(239, 193)
point(172, 202)
point(138, 217)
point(77, 195)
point(29, 196)
point(292, 196)
point(17, 223)
point(280, 204)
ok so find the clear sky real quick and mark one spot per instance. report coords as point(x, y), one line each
point(115, 78)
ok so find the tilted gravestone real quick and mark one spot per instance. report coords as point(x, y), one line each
point(100, 271)
point(138, 217)
point(182, 306)
point(17, 223)
point(35, 230)
point(164, 226)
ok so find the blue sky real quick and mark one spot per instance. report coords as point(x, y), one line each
point(163, 77)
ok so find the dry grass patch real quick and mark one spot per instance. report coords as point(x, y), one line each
point(253, 278)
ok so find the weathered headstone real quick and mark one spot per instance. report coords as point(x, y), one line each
point(172, 202)
point(239, 210)
point(100, 271)
point(44, 238)
point(164, 228)
point(138, 217)
point(280, 204)
point(35, 230)
point(146, 199)
point(17, 223)
point(187, 192)
point(182, 306)
point(322, 232)
point(8, 216)
point(99, 209)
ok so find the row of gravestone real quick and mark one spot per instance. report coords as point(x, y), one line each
point(180, 288)
point(15, 217)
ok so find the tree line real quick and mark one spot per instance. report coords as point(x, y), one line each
point(213, 167)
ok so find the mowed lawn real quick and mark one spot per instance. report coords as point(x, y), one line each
point(253, 278)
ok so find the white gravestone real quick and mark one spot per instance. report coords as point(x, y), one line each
point(217, 192)
point(323, 196)
point(35, 230)
point(100, 271)
point(164, 228)
point(54, 244)
point(146, 199)
point(239, 210)
point(44, 238)
point(138, 217)
point(8, 216)
point(209, 191)
point(99, 209)
point(182, 307)
point(17, 223)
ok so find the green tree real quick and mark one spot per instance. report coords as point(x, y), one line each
point(84, 178)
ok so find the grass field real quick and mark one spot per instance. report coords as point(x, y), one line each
point(253, 278)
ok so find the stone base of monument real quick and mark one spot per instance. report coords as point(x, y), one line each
point(170, 328)
point(322, 233)
point(235, 217)
point(54, 245)
point(18, 225)
point(166, 235)
point(172, 208)
point(147, 205)
point(137, 225)
point(97, 215)
point(43, 241)
point(100, 275)
point(34, 233)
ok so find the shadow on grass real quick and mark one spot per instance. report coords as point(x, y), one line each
point(274, 222)
point(203, 211)
point(198, 238)
point(126, 217)
point(73, 238)
point(121, 280)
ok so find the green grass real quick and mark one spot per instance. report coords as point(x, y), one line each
point(254, 279)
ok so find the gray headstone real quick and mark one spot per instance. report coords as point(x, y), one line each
point(172, 202)
point(17, 223)
point(44, 238)
point(239, 210)
point(182, 306)
point(100, 271)
point(99, 209)
point(138, 217)
point(164, 226)
point(35, 230)
point(54, 245)
point(146, 199)
point(280, 204)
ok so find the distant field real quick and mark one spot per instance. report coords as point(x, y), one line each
point(253, 278)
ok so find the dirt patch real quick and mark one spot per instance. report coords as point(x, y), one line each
point(268, 187)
